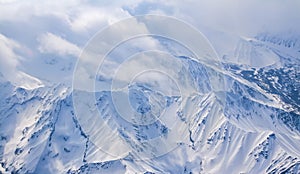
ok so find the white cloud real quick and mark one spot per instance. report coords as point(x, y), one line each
point(7, 1)
point(81, 16)
point(91, 17)
point(8, 59)
point(50, 43)
point(225, 22)
point(101, 45)
point(240, 17)
point(63, 28)
point(9, 62)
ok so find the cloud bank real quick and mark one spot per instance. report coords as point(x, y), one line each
point(63, 28)
point(50, 43)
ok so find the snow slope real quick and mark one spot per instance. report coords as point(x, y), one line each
point(255, 130)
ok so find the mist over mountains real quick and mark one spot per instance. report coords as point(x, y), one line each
point(240, 116)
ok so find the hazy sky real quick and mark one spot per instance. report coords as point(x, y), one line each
point(33, 30)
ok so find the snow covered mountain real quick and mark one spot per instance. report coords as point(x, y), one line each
point(255, 130)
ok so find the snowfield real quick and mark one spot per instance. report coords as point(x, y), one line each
point(255, 129)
